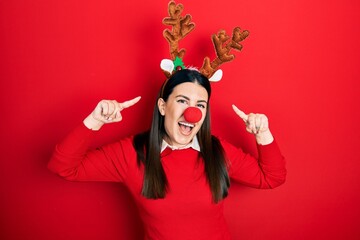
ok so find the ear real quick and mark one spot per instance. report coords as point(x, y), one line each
point(161, 106)
point(167, 65)
point(217, 76)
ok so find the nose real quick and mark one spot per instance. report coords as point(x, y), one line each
point(192, 114)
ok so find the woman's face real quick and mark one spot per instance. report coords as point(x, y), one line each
point(179, 132)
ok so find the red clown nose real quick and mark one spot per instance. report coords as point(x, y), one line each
point(192, 114)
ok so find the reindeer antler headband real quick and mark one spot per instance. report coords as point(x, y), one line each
point(182, 26)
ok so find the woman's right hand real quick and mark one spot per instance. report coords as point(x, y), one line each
point(107, 111)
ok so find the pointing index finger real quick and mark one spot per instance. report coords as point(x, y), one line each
point(129, 103)
point(240, 113)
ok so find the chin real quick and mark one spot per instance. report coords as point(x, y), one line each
point(183, 140)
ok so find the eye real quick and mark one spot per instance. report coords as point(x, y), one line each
point(181, 101)
point(200, 105)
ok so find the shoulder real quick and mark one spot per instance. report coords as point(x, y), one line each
point(133, 141)
point(123, 146)
point(222, 142)
point(230, 151)
point(140, 141)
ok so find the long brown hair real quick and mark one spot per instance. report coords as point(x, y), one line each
point(148, 145)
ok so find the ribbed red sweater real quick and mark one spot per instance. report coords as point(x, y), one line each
point(187, 211)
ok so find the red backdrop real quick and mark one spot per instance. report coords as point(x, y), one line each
point(300, 66)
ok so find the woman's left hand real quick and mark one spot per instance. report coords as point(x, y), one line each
point(257, 124)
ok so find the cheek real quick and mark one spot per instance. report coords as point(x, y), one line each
point(172, 116)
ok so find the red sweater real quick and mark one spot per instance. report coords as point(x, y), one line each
point(187, 211)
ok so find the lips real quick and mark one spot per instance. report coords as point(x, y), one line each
point(185, 128)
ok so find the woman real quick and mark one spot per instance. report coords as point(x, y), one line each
point(178, 173)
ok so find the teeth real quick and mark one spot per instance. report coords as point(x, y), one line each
point(187, 124)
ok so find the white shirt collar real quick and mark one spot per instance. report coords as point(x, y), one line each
point(194, 144)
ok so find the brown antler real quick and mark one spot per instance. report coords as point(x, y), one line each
point(222, 49)
point(181, 26)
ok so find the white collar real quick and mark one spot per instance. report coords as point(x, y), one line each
point(194, 144)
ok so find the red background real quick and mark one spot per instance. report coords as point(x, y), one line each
point(300, 66)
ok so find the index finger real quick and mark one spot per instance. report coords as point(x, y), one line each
point(129, 103)
point(240, 113)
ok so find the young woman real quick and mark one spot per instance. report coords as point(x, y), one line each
point(177, 172)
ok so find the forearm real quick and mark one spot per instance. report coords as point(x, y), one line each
point(69, 153)
point(272, 165)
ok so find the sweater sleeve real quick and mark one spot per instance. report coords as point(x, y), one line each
point(73, 160)
point(268, 171)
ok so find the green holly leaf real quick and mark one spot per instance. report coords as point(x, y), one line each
point(178, 62)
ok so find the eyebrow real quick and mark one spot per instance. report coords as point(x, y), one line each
point(187, 98)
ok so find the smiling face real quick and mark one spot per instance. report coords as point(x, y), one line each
point(188, 94)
